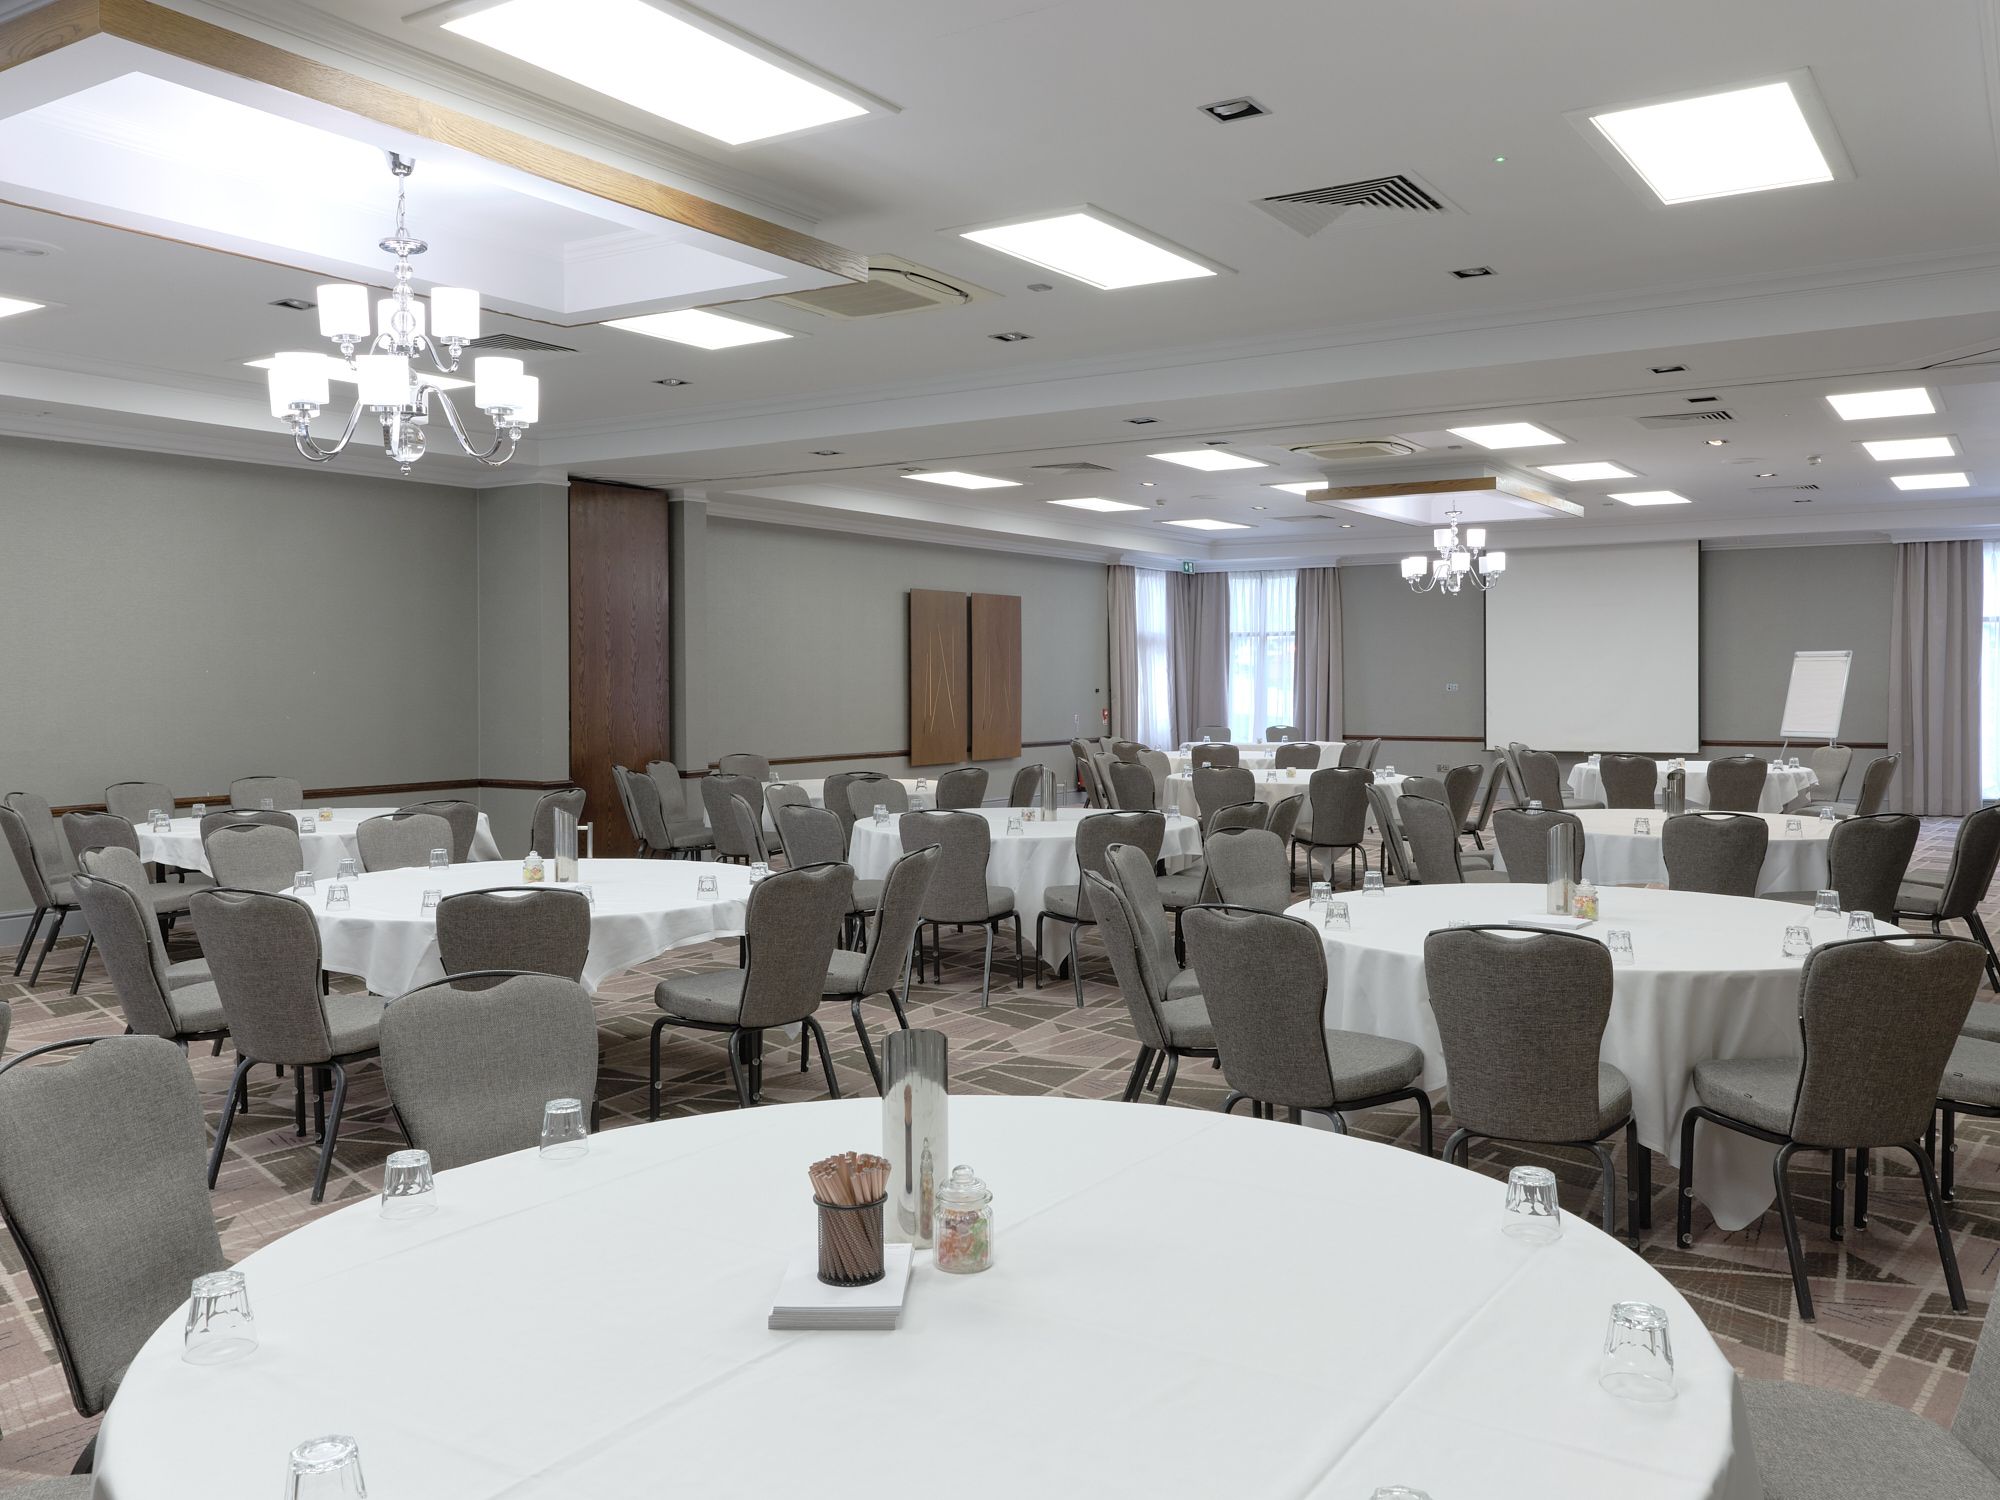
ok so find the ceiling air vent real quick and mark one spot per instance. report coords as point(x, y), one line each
point(894, 285)
point(1309, 212)
point(1685, 418)
point(1349, 448)
point(513, 343)
point(1780, 488)
point(1073, 468)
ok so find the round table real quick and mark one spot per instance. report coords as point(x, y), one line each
point(1781, 785)
point(1256, 756)
point(1042, 854)
point(639, 909)
point(1272, 787)
point(1249, 1309)
point(325, 842)
point(1613, 854)
point(1708, 979)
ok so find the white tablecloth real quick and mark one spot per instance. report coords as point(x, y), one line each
point(1181, 1304)
point(1708, 979)
point(1614, 855)
point(1042, 854)
point(1780, 786)
point(815, 788)
point(325, 845)
point(1258, 757)
point(639, 909)
point(1272, 787)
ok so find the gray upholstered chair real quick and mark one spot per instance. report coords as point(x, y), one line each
point(1461, 793)
point(1874, 794)
point(1954, 895)
point(1736, 783)
point(156, 1002)
point(1216, 732)
point(1222, 786)
point(1829, 767)
point(253, 856)
point(542, 822)
point(1521, 1021)
point(471, 1070)
point(745, 763)
point(959, 894)
point(1301, 757)
point(1163, 1000)
point(667, 829)
point(100, 1185)
point(105, 830)
point(529, 929)
point(1126, 750)
point(899, 907)
point(6, 1022)
point(1352, 751)
point(1432, 832)
point(1395, 853)
point(1263, 980)
point(1336, 819)
point(1284, 819)
point(1523, 836)
point(718, 790)
point(1866, 858)
point(263, 950)
point(46, 865)
point(1877, 1021)
point(1248, 869)
point(623, 780)
point(812, 836)
point(833, 797)
point(1629, 780)
point(1719, 853)
point(262, 817)
point(1158, 763)
point(283, 792)
point(1214, 755)
point(1132, 787)
point(793, 922)
point(1085, 773)
point(1484, 801)
point(401, 840)
point(1274, 733)
point(863, 797)
point(1421, 786)
point(1026, 785)
point(1095, 835)
point(1542, 781)
point(1236, 815)
point(136, 801)
point(462, 818)
point(963, 786)
point(779, 794)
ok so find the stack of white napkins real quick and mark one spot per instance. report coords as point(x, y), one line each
point(804, 1301)
point(1553, 922)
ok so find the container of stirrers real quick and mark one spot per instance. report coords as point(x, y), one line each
point(849, 1191)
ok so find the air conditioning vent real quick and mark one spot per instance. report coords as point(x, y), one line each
point(1325, 515)
point(1074, 468)
point(1309, 212)
point(1351, 448)
point(1685, 418)
point(1780, 488)
point(894, 285)
point(513, 343)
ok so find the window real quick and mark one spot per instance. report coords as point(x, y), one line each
point(1155, 722)
point(1263, 629)
point(1989, 681)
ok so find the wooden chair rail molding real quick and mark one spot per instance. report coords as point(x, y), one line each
point(381, 789)
point(851, 755)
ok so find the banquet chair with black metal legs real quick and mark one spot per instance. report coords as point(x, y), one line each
point(1866, 859)
point(46, 865)
point(738, 840)
point(1022, 790)
point(1629, 780)
point(128, 939)
point(284, 793)
point(666, 828)
point(1736, 783)
point(1878, 1018)
point(526, 929)
point(1163, 1000)
point(1873, 797)
point(792, 924)
point(1275, 733)
point(863, 797)
point(401, 840)
point(83, 830)
point(623, 780)
point(1282, 819)
point(959, 895)
point(1126, 750)
point(1246, 868)
point(461, 817)
point(1542, 782)
point(1336, 820)
point(1131, 787)
point(542, 821)
point(1522, 835)
point(885, 967)
point(471, 1061)
point(744, 763)
point(1065, 903)
point(1215, 732)
point(1219, 757)
point(1431, 830)
point(264, 952)
point(1484, 802)
point(1263, 980)
point(812, 836)
point(1521, 1022)
point(1829, 767)
point(1954, 895)
point(1222, 786)
point(252, 856)
point(1721, 854)
point(961, 787)
point(780, 794)
point(1298, 756)
point(101, 1188)
point(135, 801)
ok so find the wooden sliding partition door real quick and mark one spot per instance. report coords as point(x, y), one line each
point(996, 676)
point(939, 716)
point(617, 645)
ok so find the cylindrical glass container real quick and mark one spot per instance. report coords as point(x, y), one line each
point(964, 1224)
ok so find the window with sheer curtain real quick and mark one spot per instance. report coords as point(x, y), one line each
point(1155, 721)
point(1263, 634)
point(1989, 679)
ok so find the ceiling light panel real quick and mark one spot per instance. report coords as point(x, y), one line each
point(1203, 524)
point(1507, 435)
point(12, 305)
point(337, 368)
point(1744, 140)
point(1895, 450)
point(704, 330)
point(1651, 497)
point(1302, 487)
point(1209, 460)
point(1093, 503)
point(1951, 481)
point(1093, 247)
point(1863, 406)
point(1578, 473)
point(959, 480)
point(696, 74)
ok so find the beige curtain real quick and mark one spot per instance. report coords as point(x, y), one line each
point(1319, 654)
point(1934, 637)
point(1198, 650)
point(1124, 654)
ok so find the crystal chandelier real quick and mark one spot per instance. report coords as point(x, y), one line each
point(1457, 560)
point(390, 383)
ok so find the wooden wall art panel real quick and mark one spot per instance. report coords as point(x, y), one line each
point(996, 676)
point(939, 721)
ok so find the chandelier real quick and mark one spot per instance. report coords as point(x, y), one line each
point(390, 382)
point(1456, 561)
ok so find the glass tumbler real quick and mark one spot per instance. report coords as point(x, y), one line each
point(1794, 827)
point(1335, 917)
point(881, 814)
point(1798, 940)
point(1322, 892)
point(302, 882)
point(705, 888)
point(1371, 882)
point(564, 1135)
point(1532, 1212)
point(1642, 826)
point(1619, 941)
point(1399, 1492)
point(200, 810)
point(347, 869)
point(431, 899)
point(409, 1191)
point(1638, 1361)
point(1015, 828)
point(1860, 924)
point(219, 1322)
point(440, 859)
point(1826, 904)
point(326, 1468)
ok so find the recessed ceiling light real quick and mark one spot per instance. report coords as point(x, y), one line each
point(962, 481)
point(1299, 487)
point(1952, 481)
point(1651, 497)
point(1767, 474)
point(338, 369)
point(1668, 369)
point(1893, 450)
point(1091, 246)
point(1148, 484)
point(35, 250)
point(1744, 140)
point(704, 330)
point(1860, 406)
point(1209, 460)
point(1230, 110)
point(12, 305)
point(1716, 442)
point(1202, 524)
point(669, 380)
point(1507, 435)
point(1260, 507)
point(826, 453)
point(295, 304)
point(1576, 473)
point(695, 73)
point(1142, 421)
point(1010, 338)
point(1472, 273)
point(1701, 400)
point(1346, 525)
point(1092, 502)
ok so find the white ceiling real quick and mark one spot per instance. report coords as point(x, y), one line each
point(1008, 107)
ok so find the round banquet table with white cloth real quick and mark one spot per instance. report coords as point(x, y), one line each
point(639, 909)
point(1257, 756)
point(1315, 1315)
point(1615, 854)
point(1781, 784)
point(324, 842)
point(1708, 978)
point(815, 789)
point(1042, 854)
point(1272, 787)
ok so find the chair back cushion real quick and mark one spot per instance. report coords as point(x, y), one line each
point(1720, 853)
point(1736, 783)
point(401, 840)
point(536, 929)
point(1338, 797)
point(1629, 780)
point(253, 856)
point(793, 923)
point(284, 791)
point(1867, 857)
point(1263, 979)
point(263, 954)
point(1524, 843)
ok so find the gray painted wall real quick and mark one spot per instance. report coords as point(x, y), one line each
point(1398, 651)
point(523, 646)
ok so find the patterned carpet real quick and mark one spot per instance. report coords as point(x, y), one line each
point(1885, 1328)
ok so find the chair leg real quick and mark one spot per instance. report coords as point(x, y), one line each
point(228, 1114)
point(1041, 948)
point(1159, 1062)
point(1837, 1195)
point(812, 1028)
point(76, 979)
point(332, 1132)
point(62, 915)
point(1017, 950)
point(1684, 1199)
point(1639, 1167)
point(1790, 1223)
point(1138, 1077)
point(1461, 1140)
point(1861, 1188)
point(1423, 1101)
point(1978, 925)
point(867, 1048)
point(299, 1102)
point(1076, 960)
point(1948, 1163)
point(1607, 1166)
point(1167, 1083)
point(1945, 1252)
point(653, 1072)
point(737, 1072)
point(986, 969)
point(28, 938)
point(1236, 1097)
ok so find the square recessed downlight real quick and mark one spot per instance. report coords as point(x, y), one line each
point(696, 73)
point(1744, 140)
point(1894, 450)
point(704, 330)
point(1860, 406)
point(959, 480)
point(1299, 487)
point(1507, 435)
point(11, 305)
point(1949, 481)
point(338, 369)
point(1091, 246)
point(1650, 497)
point(1576, 473)
point(1209, 460)
point(1202, 524)
point(1093, 503)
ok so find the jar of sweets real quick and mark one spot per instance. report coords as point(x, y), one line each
point(964, 1224)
